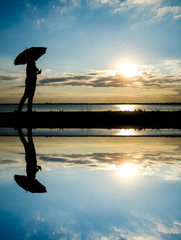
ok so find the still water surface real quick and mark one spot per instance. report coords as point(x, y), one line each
point(74, 132)
point(94, 107)
point(97, 188)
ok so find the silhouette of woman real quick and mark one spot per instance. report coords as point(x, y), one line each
point(30, 84)
point(29, 182)
point(30, 155)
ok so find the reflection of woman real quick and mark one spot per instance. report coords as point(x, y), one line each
point(30, 155)
point(30, 84)
point(29, 182)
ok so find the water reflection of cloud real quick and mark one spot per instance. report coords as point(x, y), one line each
point(130, 226)
point(154, 156)
point(82, 203)
point(152, 228)
point(166, 165)
point(7, 161)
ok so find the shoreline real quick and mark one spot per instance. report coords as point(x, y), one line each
point(47, 103)
point(92, 119)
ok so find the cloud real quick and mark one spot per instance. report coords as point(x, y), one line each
point(133, 3)
point(65, 6)
point(30, 6)
point(93, 79)
point(174, 11)
point(166, 165)
point(92, 160)
point(152, 228)
point(126, 3)
point(7, 78)
point(40, 21)
point(147, 8)
point(173, 228)
point(166, 75)
point(104, 2)
point(7, 161)
point(156, 9)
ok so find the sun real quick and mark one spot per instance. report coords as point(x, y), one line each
point(128, 69)
point(128, 170)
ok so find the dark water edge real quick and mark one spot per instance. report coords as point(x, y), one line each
point(93, 123)
point(75, 132)
point(107, 119)
point(95, 107)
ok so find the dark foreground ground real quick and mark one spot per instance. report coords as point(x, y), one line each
point(137, 119)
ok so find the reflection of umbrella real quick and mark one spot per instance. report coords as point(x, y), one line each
point(31, 186)
point(33, 52)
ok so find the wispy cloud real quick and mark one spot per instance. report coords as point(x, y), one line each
point(173, 11)
point(166, 165)
point(40, 21)
point(164, 75)
point(7, 78)
point(152, 228)
point(64, 6)
point(30, 6)
point(104, 2)
point(149, 8)
point(7, 162)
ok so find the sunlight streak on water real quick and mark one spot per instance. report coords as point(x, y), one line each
point(127, 132)
point(126, 107)
point(124, 132)
point(93, 107)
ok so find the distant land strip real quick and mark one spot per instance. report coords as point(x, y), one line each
point(103, 119)
point(94, 103)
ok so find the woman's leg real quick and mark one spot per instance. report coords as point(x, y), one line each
point(22, 101)
point(30, 100)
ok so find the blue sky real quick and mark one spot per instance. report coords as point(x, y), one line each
point(90, 39)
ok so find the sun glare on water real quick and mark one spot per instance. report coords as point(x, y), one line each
point(128, 170)
point(126, 107)
point(128, 69)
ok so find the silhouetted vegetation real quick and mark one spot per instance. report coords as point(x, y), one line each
point(92, 119)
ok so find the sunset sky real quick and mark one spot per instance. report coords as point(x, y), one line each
point(108, 51)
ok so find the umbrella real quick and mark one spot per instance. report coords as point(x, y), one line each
point(31, 186)
point(33, 52)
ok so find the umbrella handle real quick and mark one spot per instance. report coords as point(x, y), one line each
point(39, 72)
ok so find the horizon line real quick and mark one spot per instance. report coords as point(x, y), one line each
point(94, 103)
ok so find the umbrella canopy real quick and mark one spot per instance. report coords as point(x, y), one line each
point(33, 52)
point(27, 185)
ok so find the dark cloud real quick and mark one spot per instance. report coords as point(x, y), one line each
point(70, 77)
point(53, 80)
point(94, 159)
point(7, 78)
point(93, 79)
point(101, 160)
point(7, 161)
point(107, 79)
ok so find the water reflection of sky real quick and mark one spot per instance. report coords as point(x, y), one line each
point(96, 132)
point(89, 194)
